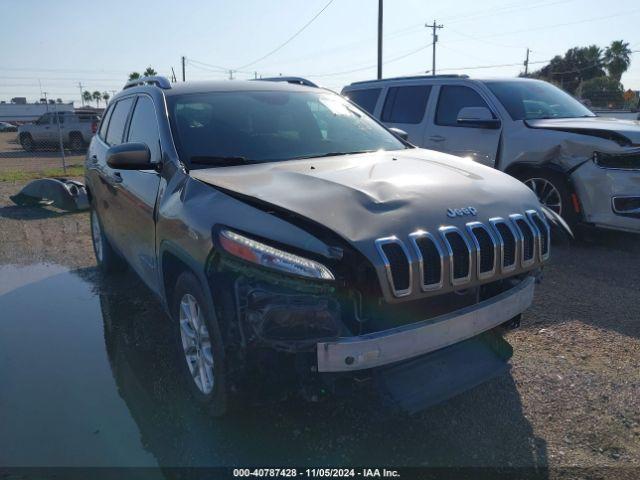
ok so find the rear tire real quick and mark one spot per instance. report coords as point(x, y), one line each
point(107, 258)
point(199, 346)
point(552, 190)
point(26, 141)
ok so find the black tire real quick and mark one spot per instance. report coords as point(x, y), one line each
point(535, 179)
point(109, 261)
point(27, 143)
point(215, 401)
point(76, 143)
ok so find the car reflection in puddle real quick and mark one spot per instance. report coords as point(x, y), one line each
point(88, 380)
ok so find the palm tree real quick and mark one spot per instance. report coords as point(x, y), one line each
point(617, 58)
point(97, 96)
point(86, 96)
point(149, 72)
point(134, 76)
point(105, 97)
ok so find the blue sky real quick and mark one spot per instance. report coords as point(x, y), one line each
point(57, 44)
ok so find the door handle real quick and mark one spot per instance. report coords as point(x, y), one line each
point(117, 177)
point(437, 138)
point(93, 159)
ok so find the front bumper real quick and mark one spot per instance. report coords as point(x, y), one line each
point(596, 188)
point(409, 341)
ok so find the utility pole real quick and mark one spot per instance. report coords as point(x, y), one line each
point(380, 10)
point(81, 97)
point(434, 27)
point(526, 64)
point(183, 68)
point(230, 74)
point(173, 75)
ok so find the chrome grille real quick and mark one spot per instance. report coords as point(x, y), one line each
point(486, 249)
point(430, 259)
point(453, 257)
point(397, 263)
point(544, 233)
point(459, 250)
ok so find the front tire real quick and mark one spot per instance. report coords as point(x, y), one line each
point(107, 258)
point(199, 346)
point(553, 192)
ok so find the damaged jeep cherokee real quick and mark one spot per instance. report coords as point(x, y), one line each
point(281, 221)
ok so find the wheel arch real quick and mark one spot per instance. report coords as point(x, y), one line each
point(173, 262)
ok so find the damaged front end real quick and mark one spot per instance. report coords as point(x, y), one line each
point(332, 333)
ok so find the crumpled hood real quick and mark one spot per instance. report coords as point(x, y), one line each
point(597, 126)
point(367, 196)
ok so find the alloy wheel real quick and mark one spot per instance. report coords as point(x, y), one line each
point(546, 192)
point(196, 343)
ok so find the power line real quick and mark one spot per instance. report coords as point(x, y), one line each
point(288, 40)
point(395, 59)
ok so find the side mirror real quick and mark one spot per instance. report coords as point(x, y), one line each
point(399, 133)
point(479, 117)
point(130, 156)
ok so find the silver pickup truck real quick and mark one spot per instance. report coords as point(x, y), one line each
point(74, 128)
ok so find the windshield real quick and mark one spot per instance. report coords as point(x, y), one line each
point(528, 100)
point(229, 128)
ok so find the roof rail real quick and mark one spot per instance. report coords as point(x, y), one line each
point(294, 80)
point(158, 81)
point(412, 77)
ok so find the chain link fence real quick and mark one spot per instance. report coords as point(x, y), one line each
point(44, 139)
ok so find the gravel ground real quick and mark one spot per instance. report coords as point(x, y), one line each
point(572, 399)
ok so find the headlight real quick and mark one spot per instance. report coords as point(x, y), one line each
point(626, 161)
point(269, 257)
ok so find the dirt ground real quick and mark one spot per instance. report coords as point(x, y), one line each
point(13, 156)
point(574, 389)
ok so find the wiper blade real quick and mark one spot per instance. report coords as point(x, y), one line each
point(334, 154)
point(219, 160)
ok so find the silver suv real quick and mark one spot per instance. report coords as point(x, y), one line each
point(584, 167)
point(75, 129)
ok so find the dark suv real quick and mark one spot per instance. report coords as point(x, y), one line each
point(279, 221)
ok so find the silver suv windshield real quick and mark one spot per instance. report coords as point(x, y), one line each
point(237, 127)
point(528, 100)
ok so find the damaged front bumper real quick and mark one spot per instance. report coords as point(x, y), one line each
point(409, 341)
point(608, 196)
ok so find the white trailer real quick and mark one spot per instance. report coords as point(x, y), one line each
point(29, 112)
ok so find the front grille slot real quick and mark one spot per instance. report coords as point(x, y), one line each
point(431, 258)
point(543, 230)
point(486, 249)
point(398, 265)
point(527, 240)
point(508, 245)
point(460, 256)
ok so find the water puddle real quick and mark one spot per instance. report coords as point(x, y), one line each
point(88, 379)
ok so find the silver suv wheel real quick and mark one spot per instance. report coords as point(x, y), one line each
point(546, 192)
point(196, 344)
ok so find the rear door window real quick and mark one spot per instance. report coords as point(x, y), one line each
point(406, 104)
point(115, 130)
point(454, 98)
point(365, 99)
point(105, 123)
